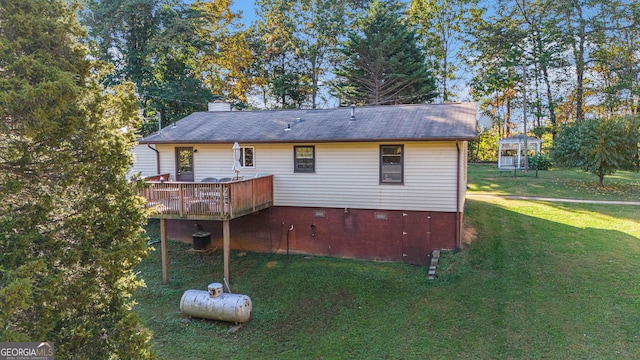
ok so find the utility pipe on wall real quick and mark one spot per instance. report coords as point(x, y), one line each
point(458, 225)
point(290, 230)
point(157, 158)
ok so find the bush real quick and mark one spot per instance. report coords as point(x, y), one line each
point(540, 161)
point(485, 148)
point(599, 146)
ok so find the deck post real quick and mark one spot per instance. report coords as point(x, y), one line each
point(225, 250)
point(164, 250)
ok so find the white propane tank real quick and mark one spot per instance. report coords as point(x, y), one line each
point(216, 305)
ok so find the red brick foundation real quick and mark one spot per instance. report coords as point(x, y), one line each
point(387, 235)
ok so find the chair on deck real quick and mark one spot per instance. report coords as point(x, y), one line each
point(206, 193)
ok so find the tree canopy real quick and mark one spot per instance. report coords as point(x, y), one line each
point(441, 26)
point(164, 48)
point(580, 57)
point(600, 146)
point(70, 222)
point(577, 57)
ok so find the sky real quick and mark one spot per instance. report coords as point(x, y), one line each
point(248, 11)
point(247, 8)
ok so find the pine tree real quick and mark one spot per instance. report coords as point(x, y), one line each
point(70, 222)
point(382, 62)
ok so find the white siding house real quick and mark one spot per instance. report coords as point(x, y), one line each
point(346, 174)
point(404, 165)
point(145, 161)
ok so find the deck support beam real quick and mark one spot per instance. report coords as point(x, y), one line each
point(164, 250)
point(225, 249)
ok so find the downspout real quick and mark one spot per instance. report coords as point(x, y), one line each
point(157, 158)
point(457, 197)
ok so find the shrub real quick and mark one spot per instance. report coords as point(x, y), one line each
point(540, 161)
point(599, 146)
point(485, 148)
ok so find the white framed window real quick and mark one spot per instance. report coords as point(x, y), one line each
point(247, 159)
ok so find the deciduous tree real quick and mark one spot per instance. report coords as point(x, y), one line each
point(599, 146)
point(442, 25)
point(154, 44)
point(281, 67)
point(121, 31)
point(223, 56)
point(586, 26)
point(325, 23)
point(497, 62)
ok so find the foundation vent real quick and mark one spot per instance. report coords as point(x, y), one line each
point(381, 216)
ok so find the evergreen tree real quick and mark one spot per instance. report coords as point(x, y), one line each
point(382, 62)
point(70, 222)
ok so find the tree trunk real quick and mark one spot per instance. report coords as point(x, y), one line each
point(507, 118)
point(578, 54)
point(314, 91)
point(314, 82)
point(445, 70)
point(601, 179)
point(550, 101)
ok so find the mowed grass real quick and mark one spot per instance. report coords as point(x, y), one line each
point(539, 280)
point(557, 183)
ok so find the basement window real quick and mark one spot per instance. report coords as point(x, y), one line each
point(391, 164)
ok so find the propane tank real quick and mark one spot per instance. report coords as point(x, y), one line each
point(216, 305)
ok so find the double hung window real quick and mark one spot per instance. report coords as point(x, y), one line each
point(391, 164)
point(304, 159)
point(246, 157)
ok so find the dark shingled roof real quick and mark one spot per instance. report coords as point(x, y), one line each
point(455, 121)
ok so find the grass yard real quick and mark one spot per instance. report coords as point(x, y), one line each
point(558, 183)
point(540, 280)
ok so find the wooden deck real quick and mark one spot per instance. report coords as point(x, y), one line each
point(208, 201)
point(220, 201)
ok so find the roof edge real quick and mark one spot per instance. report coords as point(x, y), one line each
point(200, 142)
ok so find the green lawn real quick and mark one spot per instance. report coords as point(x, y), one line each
point(540, 280)
point(560, 183)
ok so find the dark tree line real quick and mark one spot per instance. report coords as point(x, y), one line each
point(296, 54)
point(580, 57)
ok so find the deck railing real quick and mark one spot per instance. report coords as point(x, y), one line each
point(214, 201)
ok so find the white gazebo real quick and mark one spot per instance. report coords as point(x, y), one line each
point(511, 150)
